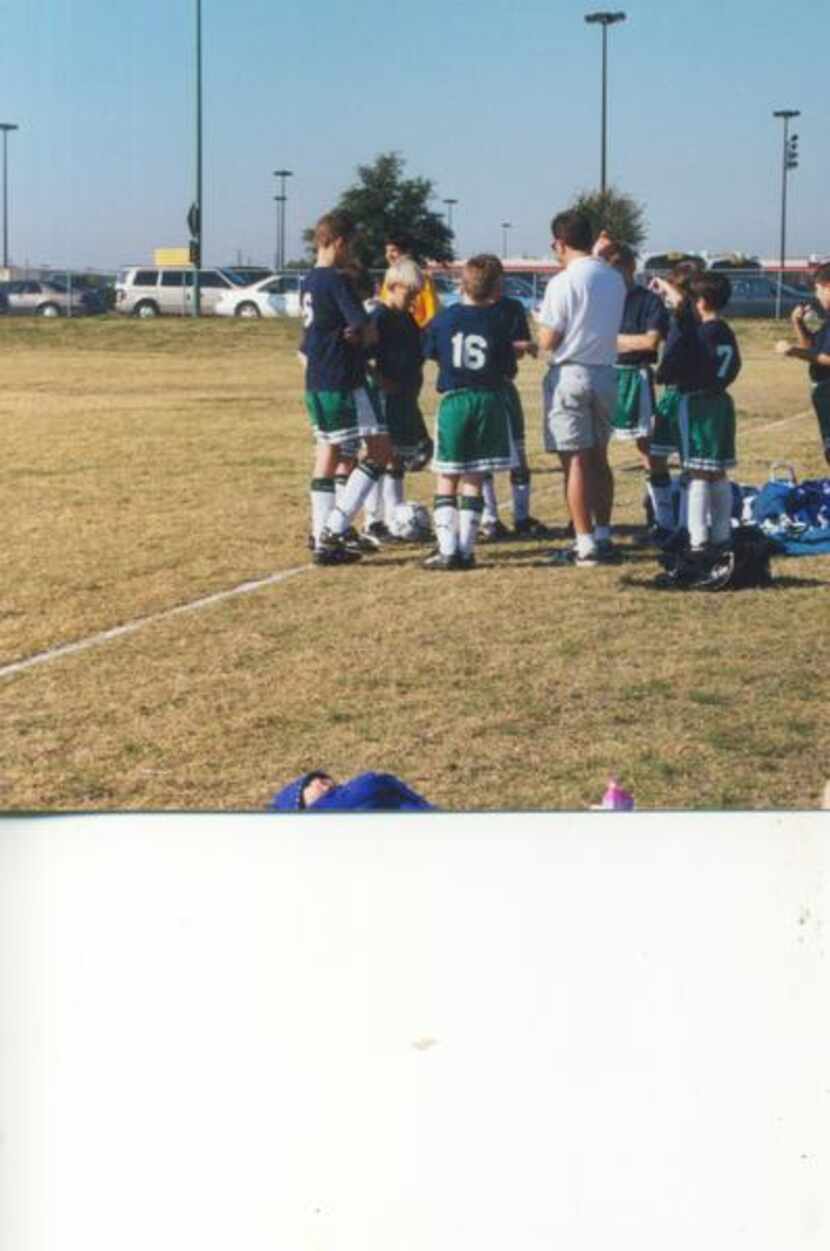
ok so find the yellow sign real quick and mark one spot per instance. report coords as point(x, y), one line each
point(171, 256)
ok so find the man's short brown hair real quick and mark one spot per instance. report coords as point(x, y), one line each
point(481, 276)
point(573, 229)
point(822, 275)
point(333, 226)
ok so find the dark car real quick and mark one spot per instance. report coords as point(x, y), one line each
point(735, 260)
point(755, 295)
point(664, 262)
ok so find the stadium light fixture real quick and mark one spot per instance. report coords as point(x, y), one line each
point(505, 227)
point(449, 203)
point(789, 161)
point(604, 19)
point(279, 257)
point(6, 127)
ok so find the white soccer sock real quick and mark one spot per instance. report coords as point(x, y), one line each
point(720, 495)
point(469, 519)
point(340, 480)
point(488, 495)
point(373, 504)
point(392, 494)
point(683, 504)
point(585, 544)
point(361, 479)
point(602, 534)
point(445, 521)
point(322, 502)
point(520, 487)
point(698, 512)
point(660, 494)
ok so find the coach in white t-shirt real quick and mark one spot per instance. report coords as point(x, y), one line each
point(578, 324)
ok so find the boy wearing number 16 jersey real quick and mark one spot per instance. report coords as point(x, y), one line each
point(472, 344)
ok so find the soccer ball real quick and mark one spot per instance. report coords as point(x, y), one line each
point(411, 522)
point(421, 457)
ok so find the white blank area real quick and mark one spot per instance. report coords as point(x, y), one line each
point(433, 1033)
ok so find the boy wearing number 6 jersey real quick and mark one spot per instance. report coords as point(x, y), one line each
point(701, 359)
point(473, 345)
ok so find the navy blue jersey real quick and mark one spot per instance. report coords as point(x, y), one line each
point(699, 355)
point(473, 346)
point(515, 319)
point(399, 353)
point(329, 305)
point(642, 311)
point(821, 343)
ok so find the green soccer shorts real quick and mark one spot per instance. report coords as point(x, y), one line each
point(515, 416)
point(821, 404)
point(405, 422)
point(342, 416)
point(665, 436)
point(473, 433)
point(706, 424)
point(634, 413)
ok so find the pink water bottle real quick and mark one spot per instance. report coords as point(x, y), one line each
point(616, 799)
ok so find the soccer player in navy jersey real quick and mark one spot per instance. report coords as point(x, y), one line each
point(471, 341)
point(526, 526)
point(813, 346)
point(701, 359)
point(398, 370)
point(645, 324)
point(337, 332)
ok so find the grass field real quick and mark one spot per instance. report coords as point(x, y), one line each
point(149, 465)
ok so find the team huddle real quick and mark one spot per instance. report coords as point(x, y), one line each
point(603, 333)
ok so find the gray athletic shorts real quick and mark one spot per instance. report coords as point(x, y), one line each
point(578, 403)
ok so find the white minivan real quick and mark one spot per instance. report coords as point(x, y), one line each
point(151, 290)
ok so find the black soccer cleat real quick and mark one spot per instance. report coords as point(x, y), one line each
point(335, 556)
point(532, 528)
point(364, 543)
point(437, 563)
point(332, 549)
point(493, 532)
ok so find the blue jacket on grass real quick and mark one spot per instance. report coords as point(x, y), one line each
point(368, 792)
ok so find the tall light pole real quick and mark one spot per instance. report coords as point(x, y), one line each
point(279, 200)
point(449, 204)
point(282, 174)
point(605, 20)
point(788, 162)
point(196, 210)
point(505, 226)
point(6, 127)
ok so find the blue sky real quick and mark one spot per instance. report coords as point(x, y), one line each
point(498, 105)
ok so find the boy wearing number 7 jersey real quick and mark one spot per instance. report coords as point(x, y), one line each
point(701, 359)
point(473, 346)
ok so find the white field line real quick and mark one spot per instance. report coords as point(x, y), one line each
point(781, 421)
point(131, 627)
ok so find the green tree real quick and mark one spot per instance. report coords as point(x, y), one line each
point(382, 200)
point(619, 214)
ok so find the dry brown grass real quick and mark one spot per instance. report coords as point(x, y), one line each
point(147, 465)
